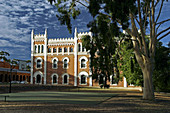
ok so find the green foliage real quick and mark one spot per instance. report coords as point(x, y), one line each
point(128, 64)
point(161, 76)
point(3, 55)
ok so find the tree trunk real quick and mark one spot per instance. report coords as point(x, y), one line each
point(148, 91)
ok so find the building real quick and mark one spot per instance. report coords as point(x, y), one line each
point(62, 61)
point(18, 73)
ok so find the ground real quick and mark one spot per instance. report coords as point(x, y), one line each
point(84, 100)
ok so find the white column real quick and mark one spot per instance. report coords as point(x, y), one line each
point(52, 51)
point(45, 57)
point(75, 57)
point(57, 50)
point(62, 50)
point(90, 73)
point(125, 82)
point(32, 54)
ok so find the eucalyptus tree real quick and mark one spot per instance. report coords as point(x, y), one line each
point(140, 15)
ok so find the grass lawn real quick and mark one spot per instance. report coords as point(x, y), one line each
point(58, 97)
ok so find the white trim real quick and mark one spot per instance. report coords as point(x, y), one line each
point(67, 78)
point(125, 82)
point(67, 62)
point(55, 58)
point(38, 58)
point(85, 58)
point(80, 74)
point(56, 78)
point(35, 75)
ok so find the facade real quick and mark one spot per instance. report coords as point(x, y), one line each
point(18, 74)
point(62, 61)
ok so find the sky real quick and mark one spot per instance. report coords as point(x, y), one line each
point(19, 17)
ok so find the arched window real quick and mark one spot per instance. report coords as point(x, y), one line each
point(54, 50)
point(79, 47)
point(42, 48)
point(20, 78)
point(24, 78)
point(59, 50)
point(6, 77)
point(65, 63)
point(1, 77)
point(65, 49)
point(49, 50)
point(17, 78)
point(65, 79)
point(54, 79)
point(38, 48)
point(39, 63)
point(83, 63)
point(35, 49)
point(38, 79)
point(55, 63)
point(71, 49)
point(13, 77)
point(83, 79)
point(113, 81)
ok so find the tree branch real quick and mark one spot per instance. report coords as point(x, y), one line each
point(162, 21)
point(160, 11)
point(81, 3)
point(164, 36)
point(162, 32)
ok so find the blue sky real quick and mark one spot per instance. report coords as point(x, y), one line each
point(19, 17)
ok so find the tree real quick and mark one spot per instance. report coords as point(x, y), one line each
point(3, 55)
point(128, 64)
point(143, 19)
point(161, 77)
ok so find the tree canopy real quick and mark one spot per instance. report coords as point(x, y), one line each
point(137, 18)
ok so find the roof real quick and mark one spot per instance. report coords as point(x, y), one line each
point(14, 70)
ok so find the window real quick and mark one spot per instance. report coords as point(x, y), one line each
point(38, 63)
point(79, 47)
point(38, 48)
point(1, 77)
point(60, 50)
point(83, 63)
point(24, 78)
point(65, 49)
point(17, 78)
point(49, 50)
point(42, 49)
point(55, 63)
point(6, 78)
point(65, 79)
point(71, 49)
point(13, 77)
point(83, 79)
point(54, 79)
point(38, 79)
point(35, 49)
point(65, 63)
point(20, 78)
point(54, 50)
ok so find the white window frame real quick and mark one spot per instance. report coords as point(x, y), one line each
point(54, 74)
point(67, 79)
point(67, 62)
point(38, 58)
point(35, 75)
point(85, 58)
point(55, 58)
point(80, 74)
